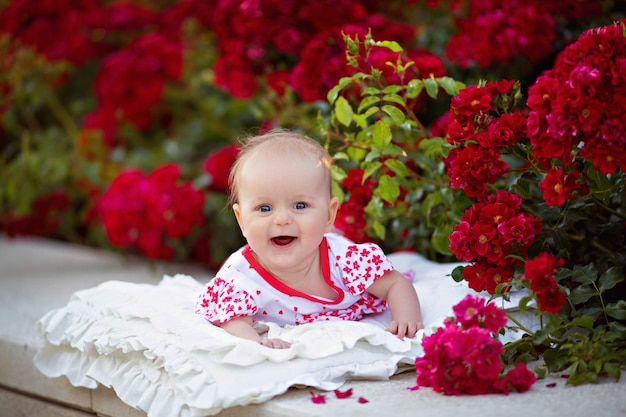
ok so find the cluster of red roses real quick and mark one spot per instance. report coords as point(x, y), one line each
point(463, 356)
point(576, 113)
point(539, 271)
point(577, 108)
point(140, 50)
point(43, 219)
point(494, 32)
point(131, 81)
point(143, 211)
point(496, 226)
point(480, 133)
point(488, 233)
point(299, 44)
point(581, 102)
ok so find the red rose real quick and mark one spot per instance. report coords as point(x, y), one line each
point(144, 210)
point(217, 166)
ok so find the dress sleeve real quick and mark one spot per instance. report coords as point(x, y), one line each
point(222, 301)
point(363, 264)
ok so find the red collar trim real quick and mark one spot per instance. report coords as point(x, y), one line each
point(285, 289)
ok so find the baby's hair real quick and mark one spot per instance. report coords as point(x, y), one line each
point(279, 140)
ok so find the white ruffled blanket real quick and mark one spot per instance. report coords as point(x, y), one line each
point(146, 342)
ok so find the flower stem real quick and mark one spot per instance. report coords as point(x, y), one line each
point(518, 324)
point(607, 208)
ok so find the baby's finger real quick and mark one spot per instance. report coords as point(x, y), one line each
point(275, 343)
point(411, 330)
point(393, 327)
point(402, 330)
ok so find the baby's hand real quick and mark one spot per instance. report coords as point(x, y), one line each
point(275, 343)
point(405, 329)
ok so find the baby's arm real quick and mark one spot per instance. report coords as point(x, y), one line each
point(403, 303)
point(242, 327)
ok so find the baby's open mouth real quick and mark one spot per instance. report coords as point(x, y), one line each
point(283, 240)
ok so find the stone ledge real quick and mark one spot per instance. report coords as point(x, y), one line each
point(15, 404)
point(38, 275)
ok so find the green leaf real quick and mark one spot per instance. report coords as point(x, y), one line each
point(618, 328)
point(393, 45)
point(394, 98)
point(523, 303)
point(594, 312)
point(541, 372)
point(388, 189)
point(585, 274)
point(434, 148)
point(612, 370)
point(617, 310)
point(375, 207)
point(338, 173)
point(394, 150)
point(369, 168)
point(449, 84)
point(414, 88)
point(392, 89)
point(440, 240)
point(432, 199)
point(360, 120)
point(373, 155)
point(356, 154)
point(611, 278)
point(370, 91)
point(343, 110)
point(585, 322)
point(432, 89)
point(337, 191)
point(555, 360)
point(367, 102)
point(395, 113)
point(457, 273)
point(379, 229)
point(581, 294)
point(340, 156)
point(397, 167)
point(332, 94)
point(541, 336)
point(382, 134)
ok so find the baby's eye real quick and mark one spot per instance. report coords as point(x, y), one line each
point(299, 205)
point(264, 208)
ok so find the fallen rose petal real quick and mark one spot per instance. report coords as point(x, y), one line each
point(551, 385)
point(343, 394)
point(363, 400)
point(318, 398)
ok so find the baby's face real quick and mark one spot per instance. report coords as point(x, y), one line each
point(284, 208)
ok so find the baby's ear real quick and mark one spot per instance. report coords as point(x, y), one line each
point(237, 211)
point(333, 206)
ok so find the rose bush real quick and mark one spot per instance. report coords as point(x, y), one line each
point(541, 205)
point(477, 130)
point(565, 238)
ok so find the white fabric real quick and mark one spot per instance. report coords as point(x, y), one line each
point(147, 343)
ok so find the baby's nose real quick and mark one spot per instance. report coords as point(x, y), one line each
point(282, 216)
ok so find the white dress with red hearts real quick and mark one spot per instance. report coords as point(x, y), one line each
point(242, 287)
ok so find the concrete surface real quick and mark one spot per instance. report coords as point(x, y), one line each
point(38, 275)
